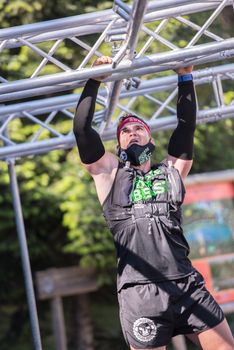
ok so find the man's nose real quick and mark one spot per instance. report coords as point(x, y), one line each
point(133, 132)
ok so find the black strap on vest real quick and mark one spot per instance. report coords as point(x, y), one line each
point(176, 185)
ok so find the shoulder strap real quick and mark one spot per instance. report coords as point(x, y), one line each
point(174, 178)
point(123, 184)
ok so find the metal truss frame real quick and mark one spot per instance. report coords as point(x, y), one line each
point(132, 76)
point(213, 78)
point(130, 73)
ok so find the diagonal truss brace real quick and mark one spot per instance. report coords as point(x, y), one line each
point(106, 22)
point(213, 76)
point(126, 22)
point(203, 53)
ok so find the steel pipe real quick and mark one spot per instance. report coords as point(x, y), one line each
point(125, 66)
point(24, 256)
point(158, 84)
point(49, 30)
point(66, 142)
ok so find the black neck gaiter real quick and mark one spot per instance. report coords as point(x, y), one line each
point(136, 154)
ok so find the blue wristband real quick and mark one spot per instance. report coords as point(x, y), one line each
point(185, 77)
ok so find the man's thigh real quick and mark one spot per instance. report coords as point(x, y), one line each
point(219, 337)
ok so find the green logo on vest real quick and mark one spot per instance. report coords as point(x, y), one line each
point(147, 187)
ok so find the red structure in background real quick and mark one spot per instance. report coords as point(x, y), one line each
point(209, 191)
point(218, 267)
point(205, 267)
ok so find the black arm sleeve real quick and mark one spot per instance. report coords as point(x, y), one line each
point(181, 141)
point(88, 141)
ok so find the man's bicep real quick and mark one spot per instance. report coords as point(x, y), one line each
point(105, 164)
point(183, 166)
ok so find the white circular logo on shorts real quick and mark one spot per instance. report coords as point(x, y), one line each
point(144, 329)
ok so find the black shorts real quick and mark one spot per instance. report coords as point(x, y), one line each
point(151, 314)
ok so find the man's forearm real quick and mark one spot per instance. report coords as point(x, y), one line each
point(88, 140)
point(181, 141)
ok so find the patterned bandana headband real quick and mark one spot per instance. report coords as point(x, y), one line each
point(131, 119)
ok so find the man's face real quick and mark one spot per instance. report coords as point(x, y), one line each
point(133, 133)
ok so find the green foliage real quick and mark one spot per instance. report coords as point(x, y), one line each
point(63, 218)
point(210, 142)
point(82, 216)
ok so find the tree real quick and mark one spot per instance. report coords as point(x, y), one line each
point(63, 219)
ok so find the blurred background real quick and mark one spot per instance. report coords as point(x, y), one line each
point(63, 219)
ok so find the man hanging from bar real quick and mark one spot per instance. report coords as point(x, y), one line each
point(160, 293)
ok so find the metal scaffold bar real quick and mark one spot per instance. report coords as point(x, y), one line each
point(163, 61)
point(213, 76)
point(66, 142)
point(202, 76)
point(24, 256)
point(134, 26)
point(156, 10)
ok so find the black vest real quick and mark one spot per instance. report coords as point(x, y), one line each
point(148, 236)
